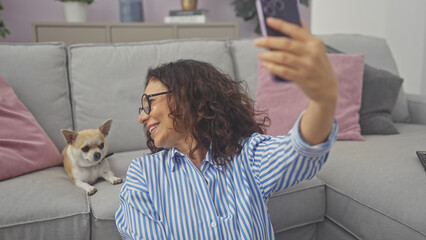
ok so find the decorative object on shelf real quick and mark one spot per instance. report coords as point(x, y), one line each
point(76, 10)
point(246, 9)
point(131, 11)
point(3, 30)
point(188, 12)
point(189, 4)
point(187, 16)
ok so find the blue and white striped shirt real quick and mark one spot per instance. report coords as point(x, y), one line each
point(166, 197)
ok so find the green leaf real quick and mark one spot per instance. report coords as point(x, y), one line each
point(245, 9)
point(304, 2)
point(257, 29)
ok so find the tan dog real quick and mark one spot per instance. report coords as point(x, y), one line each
point(85, 157)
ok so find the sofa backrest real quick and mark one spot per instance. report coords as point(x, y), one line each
point(107, 81)
point(376, 50)
point(37, 72)
point(377, 54)
point(244, 56)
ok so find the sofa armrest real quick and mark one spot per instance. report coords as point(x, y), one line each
point(417, 108)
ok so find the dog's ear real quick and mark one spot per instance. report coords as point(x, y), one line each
point(105, 127)
point(69, 135)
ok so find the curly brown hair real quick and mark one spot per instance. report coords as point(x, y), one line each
point(215, 109)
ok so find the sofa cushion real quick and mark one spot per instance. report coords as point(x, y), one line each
point(244, 57)
point(375, 188)
point(297, 206)
point(43, 205)
point(417, 106)
point(377, 54)
point(305, 232)
point(24, 146)
point(328, 230)
point(107, 81)
point(37, 73)
point(379, 95)
point(103, 212)
point(286, 101)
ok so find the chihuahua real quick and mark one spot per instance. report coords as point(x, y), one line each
point(85, 157)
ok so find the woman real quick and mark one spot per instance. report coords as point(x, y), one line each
point(213, 170)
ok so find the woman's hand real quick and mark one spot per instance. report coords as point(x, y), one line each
point(303, 60)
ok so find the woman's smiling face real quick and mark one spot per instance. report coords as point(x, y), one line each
point(159, 122)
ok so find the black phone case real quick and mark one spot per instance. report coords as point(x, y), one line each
point(286, 10)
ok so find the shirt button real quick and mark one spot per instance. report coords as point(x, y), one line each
point(213, 224)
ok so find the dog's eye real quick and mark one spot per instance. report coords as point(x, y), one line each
point(101, 146)
point(85, 149)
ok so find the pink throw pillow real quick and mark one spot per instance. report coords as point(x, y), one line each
point(24, 146)
point(285, 101)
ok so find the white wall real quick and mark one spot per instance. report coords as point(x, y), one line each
point(401, 23)
point(423, 86)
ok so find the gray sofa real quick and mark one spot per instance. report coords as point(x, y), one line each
point(372, 189)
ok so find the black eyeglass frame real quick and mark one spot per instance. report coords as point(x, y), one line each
point(147, 111)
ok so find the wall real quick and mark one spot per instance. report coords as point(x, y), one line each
point(406, 31)
point(19, 14)
point(402, 25)
point(423, 86)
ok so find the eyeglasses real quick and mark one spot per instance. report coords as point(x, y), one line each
point(146, 102)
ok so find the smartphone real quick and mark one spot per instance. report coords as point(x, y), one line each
point(287, 10)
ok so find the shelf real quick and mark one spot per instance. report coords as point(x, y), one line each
point(73, 33)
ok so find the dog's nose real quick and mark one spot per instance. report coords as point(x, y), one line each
point(97, 155)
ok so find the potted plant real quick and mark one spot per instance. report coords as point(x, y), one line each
point(3, 30)
point(76, 10)
point(246, 9)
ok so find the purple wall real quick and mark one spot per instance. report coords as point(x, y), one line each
point(18, 14)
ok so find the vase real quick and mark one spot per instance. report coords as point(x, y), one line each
point(189, 4)
point(131, 11)
point(75, 11)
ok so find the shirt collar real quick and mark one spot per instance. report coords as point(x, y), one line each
point(174, 156)
point(209, 160)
